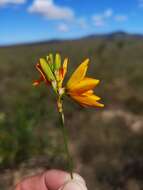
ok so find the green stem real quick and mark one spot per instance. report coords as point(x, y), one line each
point(65, 136)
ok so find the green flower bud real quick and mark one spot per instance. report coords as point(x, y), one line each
point(47, 69)
point(57, 61)
point(50, 60)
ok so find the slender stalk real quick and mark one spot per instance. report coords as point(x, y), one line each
point(65, 136)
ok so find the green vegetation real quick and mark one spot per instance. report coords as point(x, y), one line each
point(108, 147)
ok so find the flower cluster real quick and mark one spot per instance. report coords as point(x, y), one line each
point(79, 87)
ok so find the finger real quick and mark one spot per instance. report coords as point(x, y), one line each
point(55, 179)
point(32, 183)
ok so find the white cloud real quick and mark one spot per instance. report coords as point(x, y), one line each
point(100, 19)
point(6, 2)
point(50, 10)
point(121, 18)
point(63, 27)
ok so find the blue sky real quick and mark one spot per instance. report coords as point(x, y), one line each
point(36, 20)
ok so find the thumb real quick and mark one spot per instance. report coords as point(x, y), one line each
point(74, 184)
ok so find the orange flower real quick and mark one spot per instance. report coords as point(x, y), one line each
point(80, 88)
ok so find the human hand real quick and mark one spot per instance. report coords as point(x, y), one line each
point(53, 180)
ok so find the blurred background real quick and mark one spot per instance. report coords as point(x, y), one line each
point(106, 144)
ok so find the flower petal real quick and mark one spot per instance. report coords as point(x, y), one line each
point(37, 82)
point(84, 85)
point(91, 93)
point(62, 72)
point(38, 67)
point(65, 64)
point(87, 100)
point(42, 78)
point(79, 74)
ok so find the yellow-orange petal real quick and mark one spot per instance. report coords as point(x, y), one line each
point(65, 65)
point(62, 72)
point(78, 74)
point(83, 86)
point(37, 82)
point(38, 67)
point(91, 94)
point(87, 100)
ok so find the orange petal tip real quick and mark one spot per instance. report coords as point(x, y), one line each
point(35, 83)
point(101, 105)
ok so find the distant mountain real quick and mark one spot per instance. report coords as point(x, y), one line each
point(117, 34)
point(114, 35)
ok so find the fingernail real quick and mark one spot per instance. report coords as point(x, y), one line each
point(74, 185)
point(76, 177)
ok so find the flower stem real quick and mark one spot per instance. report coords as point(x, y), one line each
point(65, 136)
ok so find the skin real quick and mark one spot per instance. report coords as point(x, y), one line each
point(52, 180)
